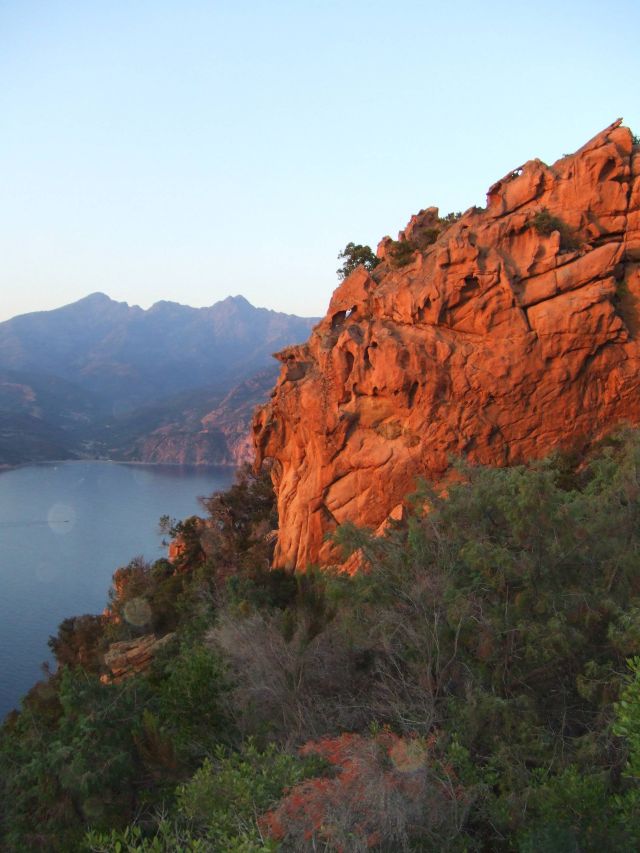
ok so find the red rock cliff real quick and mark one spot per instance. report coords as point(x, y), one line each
point(512, 332)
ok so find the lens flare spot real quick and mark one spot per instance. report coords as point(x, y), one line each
point(137, 612)
point(61, 519)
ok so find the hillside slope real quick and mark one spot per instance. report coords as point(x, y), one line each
point(131, 355)
point(198, 427)
point(102, 378)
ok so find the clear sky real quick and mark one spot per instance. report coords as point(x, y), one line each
point(188, 150)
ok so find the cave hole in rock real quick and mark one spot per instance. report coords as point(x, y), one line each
point(421, 312)
point(607, 169)
point(349, 359)
point(338, 319)
point(471, 283)
point(412, 394)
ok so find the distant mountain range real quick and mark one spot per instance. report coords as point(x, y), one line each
point(100, 378)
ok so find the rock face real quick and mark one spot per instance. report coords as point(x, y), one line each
point(131, 657)
point(220, 436)
point(500, 336)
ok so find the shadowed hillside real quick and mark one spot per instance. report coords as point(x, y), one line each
point(97, 372)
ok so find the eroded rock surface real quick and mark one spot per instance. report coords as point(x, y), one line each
point(130, 657)
point(510, 333)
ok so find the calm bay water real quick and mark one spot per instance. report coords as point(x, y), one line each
point(64, 529)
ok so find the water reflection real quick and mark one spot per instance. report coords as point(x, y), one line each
point(64, 529)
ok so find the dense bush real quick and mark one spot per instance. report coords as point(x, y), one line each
point(401, 252)
point(475, 687)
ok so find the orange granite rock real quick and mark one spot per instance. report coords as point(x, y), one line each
point(513, 334)
point(129, 657)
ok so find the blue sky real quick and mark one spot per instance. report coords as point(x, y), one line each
point(189, 150)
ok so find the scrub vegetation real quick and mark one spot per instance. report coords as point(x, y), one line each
point(475, 687)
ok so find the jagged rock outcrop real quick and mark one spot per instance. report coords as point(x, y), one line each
point(130, 657)
point(499, 337)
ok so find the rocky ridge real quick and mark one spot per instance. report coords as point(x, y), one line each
point(171, 384)
point(219, 436)
point(499, 336)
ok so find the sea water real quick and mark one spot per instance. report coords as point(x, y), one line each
point(64, 529)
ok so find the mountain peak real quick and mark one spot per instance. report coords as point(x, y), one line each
point(238, 300)
point(96, 297)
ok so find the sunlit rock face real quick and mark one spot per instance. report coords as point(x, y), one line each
point(514, 334)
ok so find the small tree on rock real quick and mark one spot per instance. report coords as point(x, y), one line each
point(355, 256)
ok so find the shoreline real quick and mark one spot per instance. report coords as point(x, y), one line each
point(7, 467)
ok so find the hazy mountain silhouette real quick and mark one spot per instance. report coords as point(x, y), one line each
point(87, 364)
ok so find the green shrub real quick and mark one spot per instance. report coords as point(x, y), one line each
point(80, 640)
point(576, 811)
point(218, 808)
point(229, 791)
point(188, 702)
point(355, 255)
point(450, 218)
point(545, 224)
point(504, 616)
point(401, 252)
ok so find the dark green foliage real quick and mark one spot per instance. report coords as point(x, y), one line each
point(428, 237)
point(188, 699)
point(262, 590)
point(189, 532)
point(578, 811)
point(496, 625)
point(228, 791)
point(85, 753)
point(628, 719)
point(355, 255)
point(218, 807)
point(80, 641)
point(514, 603)
point(61, 771)
point(401, 252)
point(145, 597)
point(450, 218)
point(545, 224)
point(240, 520)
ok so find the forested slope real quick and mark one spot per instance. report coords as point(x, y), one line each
point(475, 687)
